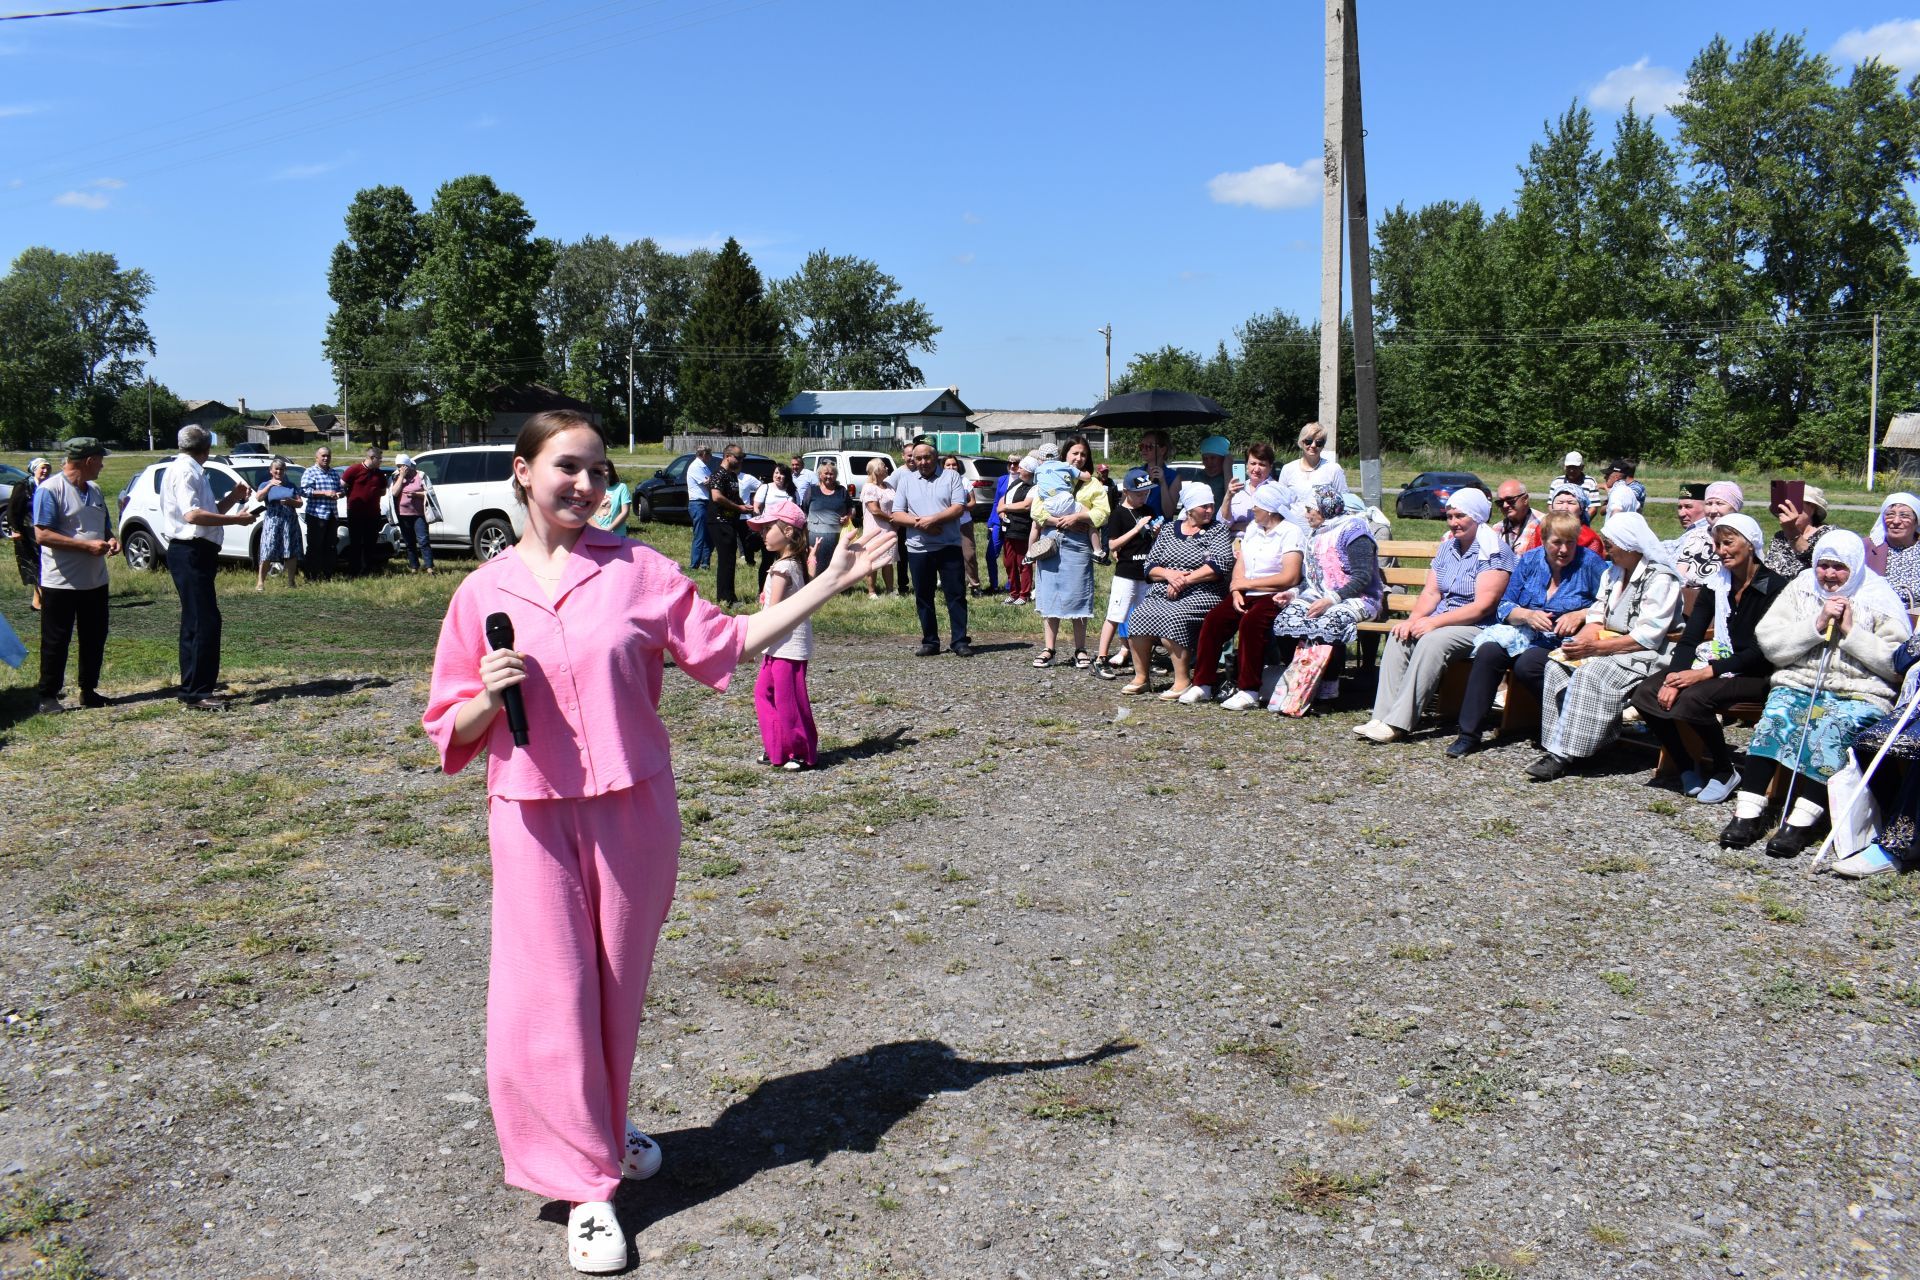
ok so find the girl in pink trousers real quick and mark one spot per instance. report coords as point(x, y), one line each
point(780, 693)
point(583, 820)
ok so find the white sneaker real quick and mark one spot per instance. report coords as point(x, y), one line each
point(1366, 730)
point(1196, 693)
point(1870, 861)
point(1379, 731)
point(642, 1159)
point(1241, 701)
point(595, 1243)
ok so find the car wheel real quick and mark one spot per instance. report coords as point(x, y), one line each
point(490, 537)
point(642, 510)
point(141, 549)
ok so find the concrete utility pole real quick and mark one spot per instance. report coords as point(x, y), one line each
point(1333, 143)
point(1106, 331)
point(149, 415)
point(1360, 262)
point(629, 397)
point(346, 432)
point(1873, 408)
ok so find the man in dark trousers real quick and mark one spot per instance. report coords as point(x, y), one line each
point(190, 520)
point(70, 523)
point(724, 510)
point(322, 485)
point(364, 489)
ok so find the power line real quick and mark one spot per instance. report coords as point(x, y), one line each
point(105, 8)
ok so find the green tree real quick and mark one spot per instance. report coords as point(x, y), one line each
point(71, 332)
point(477, 281)
point(129, 418)
point(372, 337)
point(731, 367)
point(851, 329)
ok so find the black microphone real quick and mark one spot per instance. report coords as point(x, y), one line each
point(500, 636)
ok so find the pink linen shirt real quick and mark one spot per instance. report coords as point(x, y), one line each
point(594, 667)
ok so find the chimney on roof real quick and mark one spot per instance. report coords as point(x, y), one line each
point(243, 405)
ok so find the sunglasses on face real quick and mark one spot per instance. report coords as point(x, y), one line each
point(1316, 442)
point(1507, 502)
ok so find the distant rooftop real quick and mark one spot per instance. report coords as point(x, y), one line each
point(882, 404)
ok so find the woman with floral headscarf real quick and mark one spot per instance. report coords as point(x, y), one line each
point(1708, 676)
point(1843, 617)
point(1465, 581)
point(1590, 677)
point(1893, 548)
point(1343, 588)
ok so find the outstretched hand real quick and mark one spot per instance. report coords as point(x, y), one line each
point(855, 558)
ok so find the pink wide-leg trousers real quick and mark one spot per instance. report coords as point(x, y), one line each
point(786, 716)
point(580, 892)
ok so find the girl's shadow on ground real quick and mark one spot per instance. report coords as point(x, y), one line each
point(847, 1105)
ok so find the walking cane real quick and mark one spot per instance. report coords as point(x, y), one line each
point(1806, 727)
point(1866, 776)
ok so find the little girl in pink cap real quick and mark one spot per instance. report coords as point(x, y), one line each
point(780, 692)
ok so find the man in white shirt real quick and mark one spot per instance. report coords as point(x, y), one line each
point(699, 482)
point(190, 521)
point(805, 480)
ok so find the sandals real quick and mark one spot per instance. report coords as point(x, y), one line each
point(1045, 658)
point(1106, 671)
point(1080, 660)
point(1141, 687)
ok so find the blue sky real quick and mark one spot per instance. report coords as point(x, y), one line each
point(1028, 170)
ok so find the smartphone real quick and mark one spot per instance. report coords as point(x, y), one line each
point(1240, 472)
point(1784, 491)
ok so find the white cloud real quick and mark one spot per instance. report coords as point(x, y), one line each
point(298, 172)
point(964, 259)
point(81, 200)
point(1650, 89)
point(971, 218)
point(107, 184)
point(13, 111)
point(1269, 186)
point(1894, 43)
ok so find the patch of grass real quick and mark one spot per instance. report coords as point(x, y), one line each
point(1466, 1087)
point(1603, 1233)
point(720, 868)
point(1419, 951)
point(1787, 991)
point(918, 937)
point(1486, 1271)
point(1665, 808)
point(1346, 1122)
point(1305, 1189)
point(1277, 1058)
point(1369, 1025)
point(1617, 865)
point(1782, 913)
point(1499, 829)
point(957, 966)
point(28, 1208)
point(758, 1228)
point(1841, 987)
point(1211, 1124)
point(1899, 887)
point(1621, 984)
point(1062, 1100)
point(1382, 837)
point(954, 875)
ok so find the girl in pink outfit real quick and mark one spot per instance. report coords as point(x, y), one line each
point(780, 694)
point(583, 820)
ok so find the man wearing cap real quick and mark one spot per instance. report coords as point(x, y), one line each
point(699, 485)
point(1214, 452)
point(322, 486)
point(1694, 556)
point(1519, 525)
point(1164, 499)
point(1574, 471)
point(927, 506)
point(1790, 552)
point(1620, 471)
point(190, 521)
point(364, 488)
point(70, 524)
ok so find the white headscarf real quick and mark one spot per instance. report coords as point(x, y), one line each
point(1195, 494)
point(1879, 535)
point(1272, 497)
point(1630, 531)
point(33, 468)
point(1622, 499)
point(1721, 583)
point(1474, 505)
point(1867, 589)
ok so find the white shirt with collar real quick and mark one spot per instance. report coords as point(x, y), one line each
point(699, 480)
point(184, 488)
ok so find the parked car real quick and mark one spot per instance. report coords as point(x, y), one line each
point(982, 474)
point(1426, 495)
point(145, 546)
point(249, 448)
point(663, 497)
point(9, 477)
point(852, 464)
point(474, 484)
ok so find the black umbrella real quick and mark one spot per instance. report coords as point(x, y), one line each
point(1154, 409)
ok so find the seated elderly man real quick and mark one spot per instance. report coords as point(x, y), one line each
point(1693, 553)
point(1572, 499)
point(1464, 584)
point(1519, 524)
point(1591, 677)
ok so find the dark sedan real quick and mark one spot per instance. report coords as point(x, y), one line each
point(664, 497)
point(1426, 495)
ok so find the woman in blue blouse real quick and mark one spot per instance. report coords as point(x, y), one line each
point(1552, 588)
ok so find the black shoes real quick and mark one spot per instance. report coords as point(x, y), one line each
point(1791, 842)
point(1742, 832)
point(1548, 767)
point(91, 699)
point(961, 649)
point(930, 649)
point(1464, 745)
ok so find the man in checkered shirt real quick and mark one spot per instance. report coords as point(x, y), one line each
point(322, 486)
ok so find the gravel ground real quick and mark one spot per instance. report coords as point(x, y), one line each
point(1060, 988)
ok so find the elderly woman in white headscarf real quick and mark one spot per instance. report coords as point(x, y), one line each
point(1893, 548)
point(26, 549)
point(1831, 637)
point(1464, 584)
point(1590, 678)
point(1343, 588)
point(1189, 567)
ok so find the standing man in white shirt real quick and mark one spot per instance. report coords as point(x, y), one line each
point(190, 520)
point(699, 481)
point(70, 526)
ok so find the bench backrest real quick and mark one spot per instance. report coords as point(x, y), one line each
point(1407, 575)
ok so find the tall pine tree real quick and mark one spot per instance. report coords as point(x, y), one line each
point(732, 366)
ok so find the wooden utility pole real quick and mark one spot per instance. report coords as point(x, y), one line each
point(1359, 256)
point(1333, 143)
point(1873, 408)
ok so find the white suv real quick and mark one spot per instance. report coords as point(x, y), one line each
point(145, 547)
point(852, 464)
point(474, 486)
